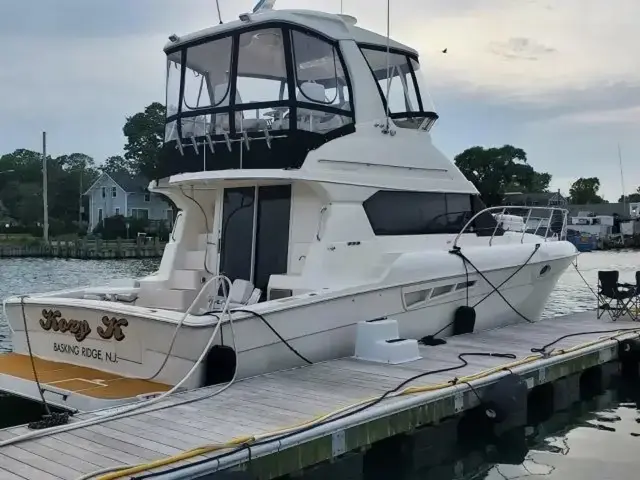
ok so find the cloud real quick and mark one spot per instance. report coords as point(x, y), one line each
point(626, 115)
point(520, 49)
point(577, 44)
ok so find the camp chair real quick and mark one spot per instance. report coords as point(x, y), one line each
point(614, 297)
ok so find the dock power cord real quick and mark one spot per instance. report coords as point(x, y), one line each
point(275, 332)
point(371, 403)
point(248, 441)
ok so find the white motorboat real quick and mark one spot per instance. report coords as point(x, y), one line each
point(298, 151)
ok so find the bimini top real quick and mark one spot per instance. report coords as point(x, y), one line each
point(334, 26)
point(264, 91)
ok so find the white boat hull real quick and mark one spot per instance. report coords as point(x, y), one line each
point(320, 326)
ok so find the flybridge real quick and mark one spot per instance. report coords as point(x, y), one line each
point(264, 91)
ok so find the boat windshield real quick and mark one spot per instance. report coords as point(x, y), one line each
point(262, 80)
point(409, 102)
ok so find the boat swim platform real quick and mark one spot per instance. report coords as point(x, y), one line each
point(65, 378)
point(242, 420)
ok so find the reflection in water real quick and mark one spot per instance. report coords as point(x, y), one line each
point(36, 275)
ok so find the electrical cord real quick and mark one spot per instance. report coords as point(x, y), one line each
point(543, 350)
point(275, 332)
point(365, 406)
point(251, 441)
point(186, 314)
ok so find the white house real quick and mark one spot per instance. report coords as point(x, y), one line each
point(122, 194)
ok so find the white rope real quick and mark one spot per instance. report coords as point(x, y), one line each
point(91, 475)
point(127, 411)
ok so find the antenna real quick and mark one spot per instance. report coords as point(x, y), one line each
point(341, 7)
point(624, 200)
point(219, 14)
point(388, 63)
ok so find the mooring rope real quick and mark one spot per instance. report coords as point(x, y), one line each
point(50, 419)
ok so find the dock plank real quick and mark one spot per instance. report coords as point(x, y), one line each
point(19, 469)
point(279, 400)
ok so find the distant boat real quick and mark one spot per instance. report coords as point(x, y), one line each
point(583, 241)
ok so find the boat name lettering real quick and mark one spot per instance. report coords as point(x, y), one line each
point(53, 320)
point(88, 352)
point(114, 328)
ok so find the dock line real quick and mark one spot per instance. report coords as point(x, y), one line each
point(128, 410)
point(355, 408)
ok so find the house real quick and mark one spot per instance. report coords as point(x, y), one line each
point(541, 199)
point(123, 194)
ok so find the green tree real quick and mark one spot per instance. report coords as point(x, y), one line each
point(495, 171)
point(634, 197)
point(585, 190)
point(118, 164)
point(21, 188)
point(145, 135)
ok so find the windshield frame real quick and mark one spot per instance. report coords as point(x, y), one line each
point(233, 108)
point(428, 115)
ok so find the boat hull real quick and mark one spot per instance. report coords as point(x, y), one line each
point(320, 326)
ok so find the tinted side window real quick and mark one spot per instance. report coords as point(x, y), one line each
point(417, 213)
point(484, 224)
point(459, 211)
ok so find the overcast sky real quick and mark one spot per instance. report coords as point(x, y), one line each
point(558, 78)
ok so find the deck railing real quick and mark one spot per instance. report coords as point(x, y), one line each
point(547, 222)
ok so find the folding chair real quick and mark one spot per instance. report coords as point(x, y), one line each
point(636, 298)
point(623, 296)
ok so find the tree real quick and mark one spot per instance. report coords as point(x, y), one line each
point(118, 164)
point(21, 188)
point(585, 190)
point(634, 197)
point(145, 136)
point(495, 171)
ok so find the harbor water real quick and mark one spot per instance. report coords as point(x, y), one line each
point(597, 439)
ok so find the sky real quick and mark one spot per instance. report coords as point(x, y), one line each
point(557, 78)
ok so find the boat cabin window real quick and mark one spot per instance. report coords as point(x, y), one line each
point(424, 213)
point(261, 97)
point(320, 81)
point(399, 73)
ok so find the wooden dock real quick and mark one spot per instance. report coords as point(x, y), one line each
point(282, 423)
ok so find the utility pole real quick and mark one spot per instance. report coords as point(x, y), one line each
point(80, 197)
point(624, 200)
point(45, 199)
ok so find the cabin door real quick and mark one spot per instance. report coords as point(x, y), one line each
point(254, 241)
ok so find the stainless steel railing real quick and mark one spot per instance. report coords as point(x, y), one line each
point(547, 222)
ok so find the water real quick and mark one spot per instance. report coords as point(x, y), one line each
point(596, 440)
point(32, 275)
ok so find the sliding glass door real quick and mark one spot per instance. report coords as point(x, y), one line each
point(254, 240)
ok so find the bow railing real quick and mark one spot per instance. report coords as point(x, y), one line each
point(547, 222)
